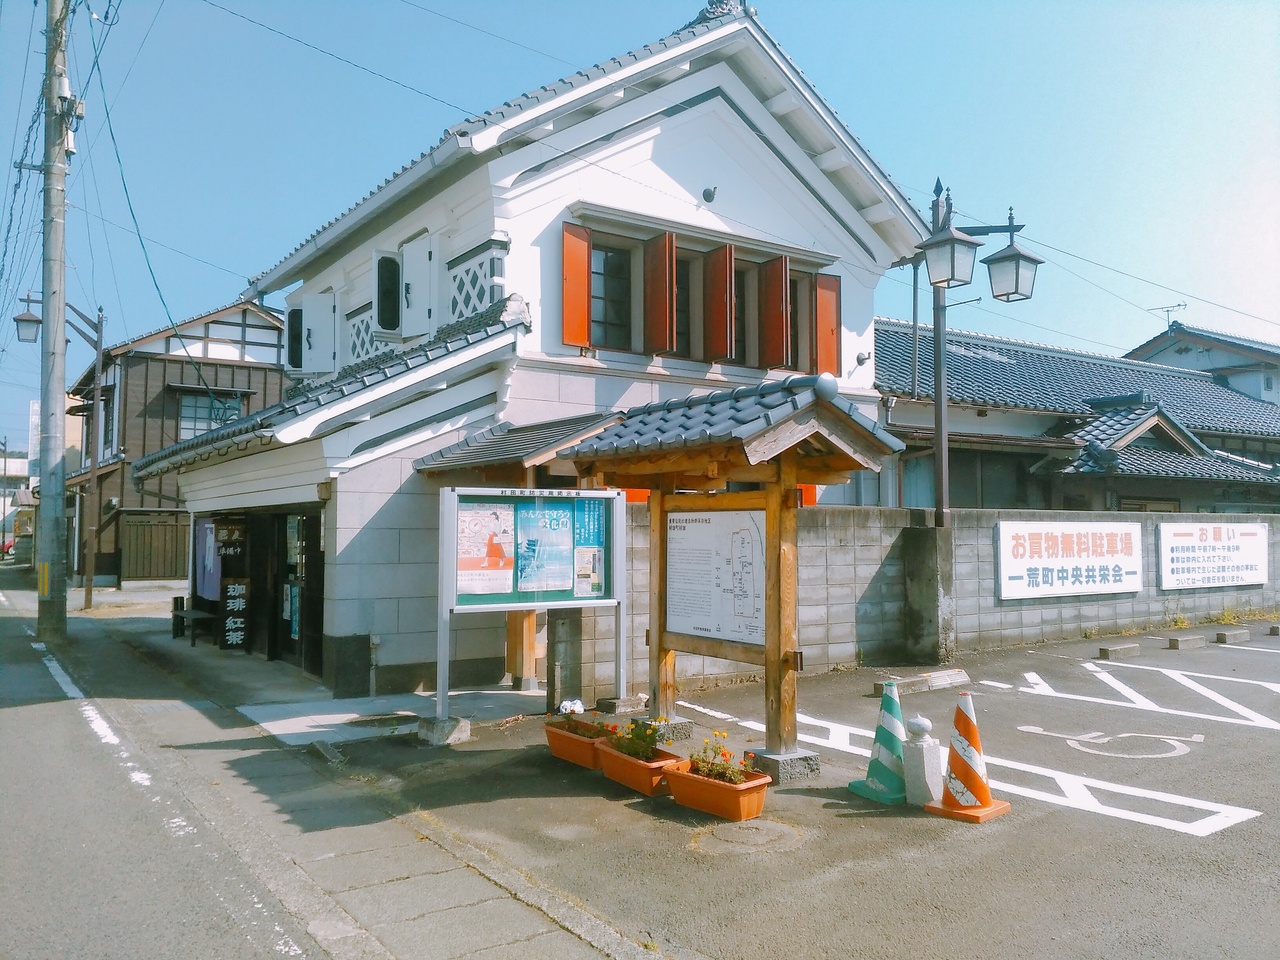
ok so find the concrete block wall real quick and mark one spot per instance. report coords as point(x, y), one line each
point(983, 622)
point(852, 595)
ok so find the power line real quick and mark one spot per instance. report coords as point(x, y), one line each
point(146, 256)
point(239, 274)
point(340, 59)
point(489, 33)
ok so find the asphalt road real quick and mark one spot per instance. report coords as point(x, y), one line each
point(103, 854)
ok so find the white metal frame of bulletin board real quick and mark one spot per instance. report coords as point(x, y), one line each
point(504, 549)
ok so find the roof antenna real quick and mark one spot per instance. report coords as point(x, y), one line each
point(1167, 311)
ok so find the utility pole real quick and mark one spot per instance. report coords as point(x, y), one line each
point(8, 499)
point(51, 543)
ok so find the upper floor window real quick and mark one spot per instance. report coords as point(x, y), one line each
point(201, 412)
point(611, 298)
point(717, 304)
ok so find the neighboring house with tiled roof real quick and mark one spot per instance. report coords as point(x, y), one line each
point(1248, 364)
point(1037, 426)
point(159, 388)
point(687, 218)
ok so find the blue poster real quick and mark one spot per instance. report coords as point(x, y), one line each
point(544, 546)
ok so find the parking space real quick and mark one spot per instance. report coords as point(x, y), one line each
point(1171, 739)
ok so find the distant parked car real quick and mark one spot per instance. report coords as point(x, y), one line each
point(7, 552)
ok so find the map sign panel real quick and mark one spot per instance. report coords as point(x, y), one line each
point(1063, 559)
point(1212, 554)
point(715, 574)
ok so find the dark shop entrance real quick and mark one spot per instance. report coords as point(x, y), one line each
point(261, 573)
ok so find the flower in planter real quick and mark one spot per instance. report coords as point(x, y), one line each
point(639, 740)
point(590, 727)
point(715, 761)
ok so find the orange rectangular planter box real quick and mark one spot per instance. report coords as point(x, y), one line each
point(643, 776)
point(733, 801)
point(571, 747)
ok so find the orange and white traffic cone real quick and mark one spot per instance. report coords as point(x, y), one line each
point(966, 794)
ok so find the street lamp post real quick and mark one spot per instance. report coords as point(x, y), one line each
point(949, 254)
point(29, 326)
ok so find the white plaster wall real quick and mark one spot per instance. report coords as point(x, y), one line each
point(381, 569)
point(660, 170)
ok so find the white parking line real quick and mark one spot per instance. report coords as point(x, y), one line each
point(1076, 792)
point(1136, 701)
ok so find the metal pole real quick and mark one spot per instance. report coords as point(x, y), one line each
point(941, 449)
point(4, 514)
point(51, 545)
point(93, 506)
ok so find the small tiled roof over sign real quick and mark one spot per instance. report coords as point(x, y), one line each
point(996, 372)
point(731, 416)
point(504, 315)
point(506, 444)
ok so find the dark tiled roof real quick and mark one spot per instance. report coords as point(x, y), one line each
point(503, 443)
point(1134, 461)
point(502, 316)
point(1114, 423)
point(997, 372)
point(719, 418)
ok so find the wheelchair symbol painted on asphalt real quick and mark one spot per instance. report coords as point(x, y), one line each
point(1085, 742)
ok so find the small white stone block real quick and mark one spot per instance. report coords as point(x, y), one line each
point(441, 733)
point(922, 763)
point(1185, 643)
point(1232, 635)
point(1119, 651)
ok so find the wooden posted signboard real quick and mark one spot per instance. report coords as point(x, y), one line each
point(233, 591)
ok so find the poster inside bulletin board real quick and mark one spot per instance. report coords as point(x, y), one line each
point(531, 549)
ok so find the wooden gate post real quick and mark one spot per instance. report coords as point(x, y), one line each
point(662, 662)
point(780, 609)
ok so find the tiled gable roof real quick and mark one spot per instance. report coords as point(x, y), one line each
point(720, 418)
point(504, 315)
point(996, 372)
point(1230, 339)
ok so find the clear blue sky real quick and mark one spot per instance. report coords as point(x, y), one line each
point(1142, 136)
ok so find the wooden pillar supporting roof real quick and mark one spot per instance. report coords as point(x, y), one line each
point(774, 435)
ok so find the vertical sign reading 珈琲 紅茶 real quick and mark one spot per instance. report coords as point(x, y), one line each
point(715, 574)
point(1212, 554)
point(1063, 559)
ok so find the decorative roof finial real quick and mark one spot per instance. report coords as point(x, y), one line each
point(715, 9)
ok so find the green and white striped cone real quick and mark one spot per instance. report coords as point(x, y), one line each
point(885, 782)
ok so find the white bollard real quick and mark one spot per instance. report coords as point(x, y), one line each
point(922, 763)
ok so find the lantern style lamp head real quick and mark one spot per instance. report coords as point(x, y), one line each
point(28, 325)
point(949, 256)
point(1013, 270)
point(1013, 273)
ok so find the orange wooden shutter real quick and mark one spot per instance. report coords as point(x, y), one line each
point(660, 294)
point(826, 327)
point(717, 305)
point(775, 313)
point(576, 304)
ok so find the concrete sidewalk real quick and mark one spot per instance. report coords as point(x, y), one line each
point(372, 878)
